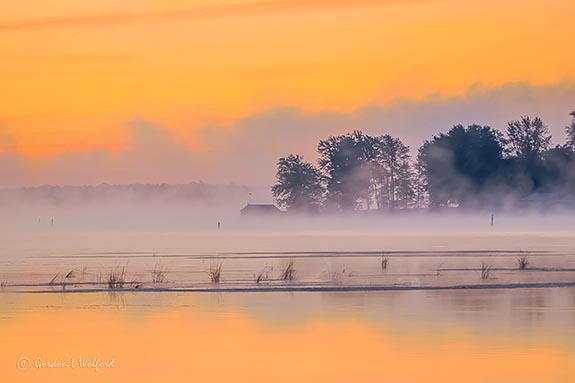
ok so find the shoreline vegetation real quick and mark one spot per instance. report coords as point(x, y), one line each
point(467, 168)
point(490, 270)
point(473, 167)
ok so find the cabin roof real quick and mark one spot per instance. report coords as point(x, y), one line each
point(260, 208)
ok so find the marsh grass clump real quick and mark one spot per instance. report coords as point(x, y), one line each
point(522, 262)
point(215, 272)
point(485, 270)
point(159, 273)
point(262, 276)
point(117, 278)
point(71, 274)
point(439, 269)
point(384, 262)
point(288, 273)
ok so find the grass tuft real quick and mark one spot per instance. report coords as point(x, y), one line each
point(159, 273)
point(288, 273)
point(117, 278)
point(485, 270)
point(438, 270)
point(522, 262)
point(215, 272)
point(262, 276)
point(71, 274)
point(384, 262)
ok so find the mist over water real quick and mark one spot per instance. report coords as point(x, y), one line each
point(182, 216)
point(423, 248)
point(428, 303)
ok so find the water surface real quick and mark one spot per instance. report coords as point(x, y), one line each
point(506, 335)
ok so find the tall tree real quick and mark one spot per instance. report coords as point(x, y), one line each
point(558, 170)
point(460, 164)
point(420, 186)
point(528, 138)
point(393, 177)
point(345, 161)
point(570, 131)
point(298, 185)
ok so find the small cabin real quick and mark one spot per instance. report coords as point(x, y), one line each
point(259, 210)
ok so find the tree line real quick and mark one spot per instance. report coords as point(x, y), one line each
point(471, 166)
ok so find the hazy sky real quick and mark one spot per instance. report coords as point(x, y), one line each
point(174, 90)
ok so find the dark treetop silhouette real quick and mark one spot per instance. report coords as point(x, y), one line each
point(471, 167)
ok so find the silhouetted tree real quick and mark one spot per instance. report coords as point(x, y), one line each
point(527, 141)
point(345, 161)
point(558, 170)
point(392, 175)
point(420, 187)
point(570, 132)
point(473, 166)
point(459, 165)
point(528, 138)
point(298, 185)
point(569, 173)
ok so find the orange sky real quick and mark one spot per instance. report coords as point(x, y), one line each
point(73, 73)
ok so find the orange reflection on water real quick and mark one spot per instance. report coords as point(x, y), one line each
point(195, 345)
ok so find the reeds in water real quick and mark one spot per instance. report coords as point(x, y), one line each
point(485, 270)
point(215, 272)
point(159, 273)
point(117, 278)
point(288, 273)
point(522, 262)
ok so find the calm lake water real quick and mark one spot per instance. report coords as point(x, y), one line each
point(436, 326)
point(508, 335)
